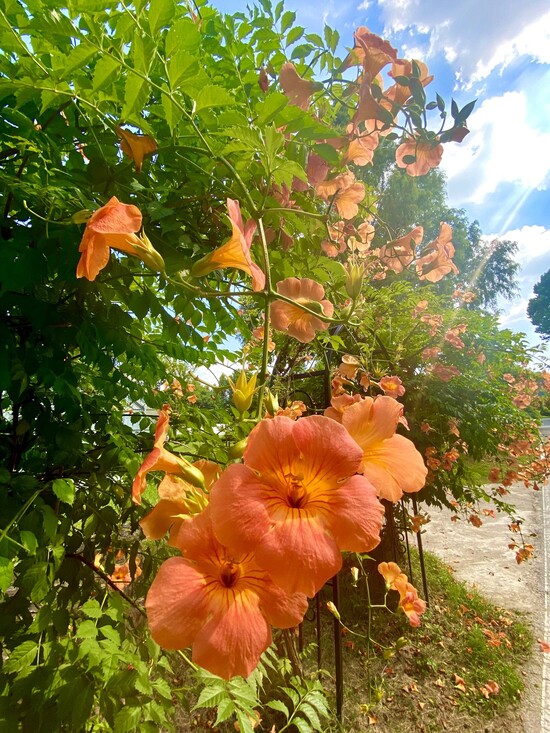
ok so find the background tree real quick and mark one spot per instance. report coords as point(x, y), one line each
point(538, 308)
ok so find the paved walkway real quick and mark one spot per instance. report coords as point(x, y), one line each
point(480, 556)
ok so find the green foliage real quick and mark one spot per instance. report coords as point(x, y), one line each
point(538, 308)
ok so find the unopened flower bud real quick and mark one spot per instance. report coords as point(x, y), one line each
point(191, 474)
point(243, 391)
point(81, 217)
point(149, 254)
point(332, 609)
point(237, 450)
point(271, 403)
point(355, 274)
point(354, 576)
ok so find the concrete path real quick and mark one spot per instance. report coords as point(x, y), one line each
point(480, 556)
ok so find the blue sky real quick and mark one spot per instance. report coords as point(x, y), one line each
point(495, 51)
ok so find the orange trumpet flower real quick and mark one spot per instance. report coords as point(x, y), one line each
point(297, 502)
point(219, 601)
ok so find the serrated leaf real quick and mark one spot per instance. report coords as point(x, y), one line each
point(280, 706)
point(293, 695)
point(136, 93)
point(163, 688)
point(127, 719)
point(302, 725)
point(311, 714)
point(301, 51)
point(287, 20)
point(21, 657)
point(87, 630)
point(106, 70)
point(64, 489)
point(211, 696)
point(91, 608)
point(29, 541)
point(245, 723)
point(172, 112)
point(225, 710)
point(294, 34)
point(213, 96)
point(6, 574)
point(78, 58)
point(182, 36)
point(182, 67)
point(161, 13)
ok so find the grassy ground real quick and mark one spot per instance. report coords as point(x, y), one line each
point(439, 677)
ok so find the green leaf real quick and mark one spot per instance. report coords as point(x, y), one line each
point(211, 696)
point(213, 96)
point(280, 706)
point(79, 58)
point(29, 541)
point(127, 719)
point(6, 574)
point(21, 657)
point(136, 93)
point(311, 714)
point(302, 725)
point(106, 70)
point(225, 710)
point(64, 489)
point(301, 51)
point(172, 112)
point(182, 36)
point(181, 68)
point(87, 630)
point(109, 633)
point(294, 34)
point(91, 608)
point(287, 20)
point(161, 13)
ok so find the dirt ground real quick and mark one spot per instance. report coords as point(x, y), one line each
point(480, 556)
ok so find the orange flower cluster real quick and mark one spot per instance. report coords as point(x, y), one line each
point(409, 601)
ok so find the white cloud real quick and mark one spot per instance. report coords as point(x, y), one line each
point(479, 36)
point(534, 258)
point(503, 147)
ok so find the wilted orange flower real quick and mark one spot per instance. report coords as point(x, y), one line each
point(297, 501)
point(453, 427)
point(135, 146)
point(475, 520)
point(390, 461)
point(349, 366)
point(263, 80)
point(178, 500)
point(235, 252)
point(425, 427)
point(436, 260)
point(399, 253)
point(426, 156)
point(392, 386)
point(489, 688)
point(445, 373)
point(297, 90)
point(521, 401)
point(219, 601)
point(433, 321)
point(419, 308)
point(544, 646)
point(291, 318)
point(114, 226)
point(162, 460)
point(121, 575)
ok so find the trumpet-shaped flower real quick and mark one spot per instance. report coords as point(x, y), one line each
point(298, 90)
point(293, 319)
point(219, 601)
point(162, 460)
point(178, 500)
point(114, 226)
point(390, 571)
point(390, 461)
point(437, 256)
point(426, 156)
point(399, 253)
point(235, 252)
point(135, 146)
point(409, 602)
point(297, 502)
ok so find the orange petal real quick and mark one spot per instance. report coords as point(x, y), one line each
point(162, 518)
point(355, 515)
point(394, 466)
point(297, 90)
point(370, 421)
point(136, 146)
point(177, 605)
point(232, 642)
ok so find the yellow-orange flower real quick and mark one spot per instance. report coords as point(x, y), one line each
point(426, 156)
point(390, 461)
point(297, 90)
point(291, 318)
point(297, 501)
point(235, 252)
point(178, 499)
point(135, 146)
point(162, 460)
point(219, 601)
point(437, 256)
point(399, 253)
point(114, 226)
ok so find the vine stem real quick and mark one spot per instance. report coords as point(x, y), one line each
point(19, 514)
point(267, 319)
point(105, 577)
